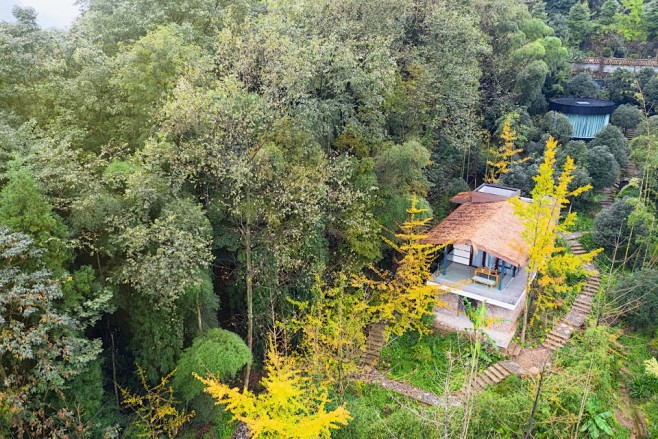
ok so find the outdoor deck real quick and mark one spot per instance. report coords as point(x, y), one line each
point(458, 277)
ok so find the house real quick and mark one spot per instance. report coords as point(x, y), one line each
point(484, 261)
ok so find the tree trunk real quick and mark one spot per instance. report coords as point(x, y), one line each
point(114, 369)
point(198, 315)
point(531, 420)
point(526, 312)
point(250, 292)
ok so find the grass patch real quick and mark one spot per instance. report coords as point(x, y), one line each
point(381, 414)
point(583, 223)
point(427, 362)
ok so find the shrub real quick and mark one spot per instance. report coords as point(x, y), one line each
point(558, 126)
point(602, 167)
point(626, 116)
point(614, 139)
point(639, 287)
point(611, 225)
point(577, 150)
point(582, 86)
point(219, 352)
point(644, 386)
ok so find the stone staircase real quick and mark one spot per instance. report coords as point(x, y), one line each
point(609, 196)
point(580, 308)
point(374, 344)
point(492, 375)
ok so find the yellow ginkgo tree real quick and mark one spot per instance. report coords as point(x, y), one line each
point(542, 224)
point(502, 158)
point(290, 406)
point(404, 298)
point(155, 409)
point(332, 330)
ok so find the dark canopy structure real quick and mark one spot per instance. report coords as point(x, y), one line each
point(588, 116)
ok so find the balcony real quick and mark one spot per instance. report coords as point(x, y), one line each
point(458, 279)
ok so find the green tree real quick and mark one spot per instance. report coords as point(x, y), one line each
point(621, 87)
point(631, 21)
point(144, 72)
point(602, 167)
point(24, 209)
point(557, 125)
point(218, 352)
point(163, 260)
point(530, 80)
point(580, 25)
point(614, 139)
point(651, 19)
point(626, 117)
point(582, 86)
point(41, 350)
point(608, 13)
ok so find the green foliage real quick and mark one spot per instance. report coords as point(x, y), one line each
point(596, 423)
point(643, 386)
point(427, 362)
point(218, 352)
point(611, 225)
point(24, 209)
point(174, 247)
point(378, 414)
point(530, 81)
point(620, 86)
point(40, 348)
point(630, 20)
point(639, 287)
point(582, 86)
point(626, 116)
point(602, 167)
point(614, 139)
point(558, 126)
point(580, 26)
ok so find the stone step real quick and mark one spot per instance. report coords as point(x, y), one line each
point(498, 372)
point(557, 336)
point(551, 345)
point(581, 308)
